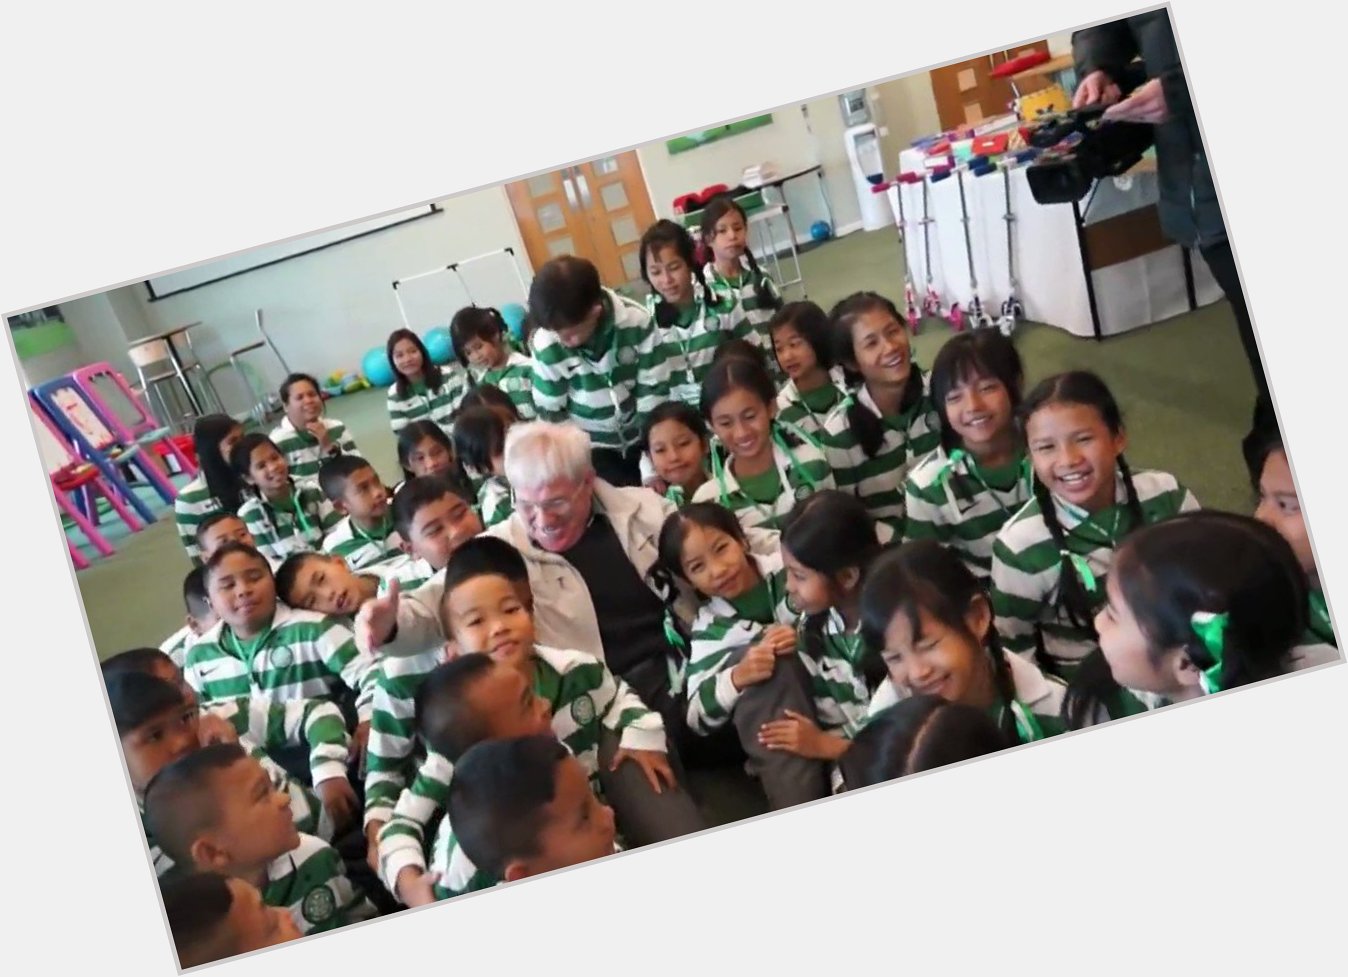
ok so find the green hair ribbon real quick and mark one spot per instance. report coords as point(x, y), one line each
point(1211, 630)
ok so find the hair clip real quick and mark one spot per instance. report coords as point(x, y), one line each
point(1211, 630)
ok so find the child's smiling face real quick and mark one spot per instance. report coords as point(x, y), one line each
point(269, 471)
point(305, 404)
point(243, 593)
point(1074, 453)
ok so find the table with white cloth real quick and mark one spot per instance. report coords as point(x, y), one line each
point(1096, 268)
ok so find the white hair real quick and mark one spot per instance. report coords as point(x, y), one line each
point(538, 453)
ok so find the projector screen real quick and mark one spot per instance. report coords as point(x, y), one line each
point(239, 264)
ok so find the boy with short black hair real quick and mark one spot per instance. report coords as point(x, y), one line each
point(200, 617)
point(365, 536)
point(433, 515)
point(220, 528)
point(326, 584)
point(213, 917)
point(522, 807)
point(217, 810)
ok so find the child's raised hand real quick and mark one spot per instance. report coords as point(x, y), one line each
point(415, 887)
point(320, 431)
point(755, 667)
point(339, 798)
point(376, 620)
point(800, 736)
point(653, 763)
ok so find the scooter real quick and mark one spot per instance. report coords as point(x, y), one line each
point(912, 307)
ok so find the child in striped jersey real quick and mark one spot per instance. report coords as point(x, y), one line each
point(598, 360)
point(747, 295)
point(482, 345)
point(524, 808)
point(1280, 507)
point(1197, 604)
point(875, 436)
point(305, 436)
point(814, 385)
point(760, 468)
point(744, 668)
point(283, 515)
point(920, 733)
point(682, 306)
point(424, 449)
point(487, 609)
point(829, 541)
point(676, 442)
point(220, 528)
point(421, 391)
point(265, 648)
point(436, 518)
point(217, 487)
point(979, 477)
point(1049, 558)
point(325, 584)
point(930, 620)
point(200, 617)
point(213, 917)
point(216, 809)
point(365, 536)
point(479, 443)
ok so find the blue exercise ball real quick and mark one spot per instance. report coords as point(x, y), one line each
point(440, 345)
point(820, 231)
point(514, 314)
point(375, 367)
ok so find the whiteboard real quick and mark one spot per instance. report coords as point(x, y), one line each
point(214, 271)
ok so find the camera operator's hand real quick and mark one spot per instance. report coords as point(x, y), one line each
point(1147, 104)
point(1097, 88)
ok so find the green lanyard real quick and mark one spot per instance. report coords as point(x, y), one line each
point(1027, 727)
point(959, 458)
point(380, 534)
point(718, 471)
point(245, 651)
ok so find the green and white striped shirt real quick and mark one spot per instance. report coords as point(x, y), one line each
point(360, 549)
point(836, 679)
point(176, 644)
point(193, 504)
point(516, 378)
point(410, 572)
point(608, 385)
point(720, 637)
point(794, 408)
point(742, 313)
point(301, 449)
point(691, 342)
point(311, 883)
point(390, 754)
point(316, 723)
point(957, 502)
point(424, 404)
point(493, 501)
point(878, 481)
point(801, 471)
point(1027, 566)
point(302, 655)
point(295, 526)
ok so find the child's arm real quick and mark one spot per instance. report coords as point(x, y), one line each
point(652, 386)
point(418, 627)
point(621, 710)
point(402, 842)
point(398, 415)
point(922, 512)
point(724, 662)
point(392, 733)
point(315, 722)
point(551, 392)
point(186, 523)
point(345, 442)
point(337, 648)
point(1018, 597)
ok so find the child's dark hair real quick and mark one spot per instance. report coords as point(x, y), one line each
point(228, 550)
point(415, 433)
point(430, 373)
point(498, 796)
point(811, 322)
point(923, 575)
point(718, 207)
point(178, 803)
point(829, 532)
point(484, 556)
point(137, 696)
point(293, 381)
point(733, 348)
point(210, 522)
point(197, 905)
point(194, 592)
point(1082, 388)
point(564, 292)
point(1207, 561)
point(967, 357)
point(444, 721)
point(334, 473)
point(708, 515)
point(662, 234)
point(417, 493)
point(737, 373)
point(867, 426)
point(679, 412)
point(476, 322)
point(479, 434)
point(222, 481)
point(288, 573)
point(1266, 443)
point(241, 458)
point(921, 733)
point(488, 395)
point(143, 660)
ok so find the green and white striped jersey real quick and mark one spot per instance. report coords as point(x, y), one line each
point(360, 549)
point(720, 636)
point(391, 752)
point(424, 404)
point(494, 503)
point(794, 408)
point(878, 481)
point(955, 501)
point(311, 883)
point(516, 378)
point(691, 341)
point(410, 572)
point(742, 312)
point(836, 679)
point(1027, 566)
point(1321, 629)
point(193, 504)
point(608, 385)
point(801, 471)
point(302, 655)
point(316, 723)
point(176, 644)
point(295, 526)
point(301, 449)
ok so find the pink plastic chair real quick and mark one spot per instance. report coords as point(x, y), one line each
point(79, 559)
point(119, 408)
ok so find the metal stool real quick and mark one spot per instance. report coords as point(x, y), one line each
point(265, 402)
point(200, 377)
point(162, 385)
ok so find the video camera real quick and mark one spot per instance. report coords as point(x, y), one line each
point(1079, 147)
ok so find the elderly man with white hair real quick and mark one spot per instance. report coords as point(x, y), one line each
point(591, 549)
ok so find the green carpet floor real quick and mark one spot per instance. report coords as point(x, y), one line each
point(1183, 386)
